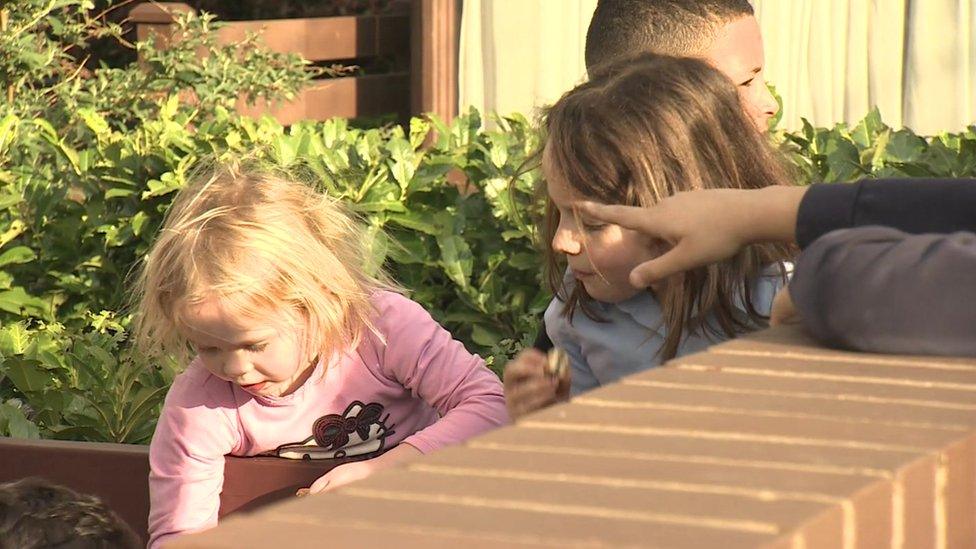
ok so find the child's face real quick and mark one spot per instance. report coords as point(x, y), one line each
point(610, 252)
point(260, 355)
point(738, 53)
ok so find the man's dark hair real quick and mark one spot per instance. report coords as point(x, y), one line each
point(683, 28)
point(36, 513)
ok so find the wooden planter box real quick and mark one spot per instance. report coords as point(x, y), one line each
point(422, 40)
point(118, 474)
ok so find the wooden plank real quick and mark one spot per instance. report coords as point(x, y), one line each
point(435, 34)
point(347, 97)
point(327, 38)
point(314, 38)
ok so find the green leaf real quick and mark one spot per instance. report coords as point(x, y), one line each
point(843, 160)
point(8, 130)
point(14, 423)
point(482, 335)
point(19, 302)
point(94, 121)
point(904, 146)
point(27, 375)
point(414, 220)
point(17, 255)
point(14, 339)
point(456, 258)
point(139, 222)
point(940, 160)
point(868, 129)
point(16, 228)
point(117, 192)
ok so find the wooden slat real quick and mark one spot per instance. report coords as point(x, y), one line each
point(347, 97)
point(316, 39)
point(327, 38)
point(435, 35)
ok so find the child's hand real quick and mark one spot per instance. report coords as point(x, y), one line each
point(358, 470)
point(704, 226)
point(783, 310)
point(527, 386)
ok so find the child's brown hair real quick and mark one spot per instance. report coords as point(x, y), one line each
point(35, 513)
point(646, 128)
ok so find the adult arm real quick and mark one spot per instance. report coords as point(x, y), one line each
point(884, 290)
point(913, 206)
point(707, 226)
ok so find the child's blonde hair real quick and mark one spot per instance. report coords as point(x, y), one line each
point(258, 239)
point(648, 127)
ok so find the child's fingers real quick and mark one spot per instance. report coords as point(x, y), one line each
point(530, 396)
point(319, 485)
point(783, 311)
point(643, 220)
point(528, 364)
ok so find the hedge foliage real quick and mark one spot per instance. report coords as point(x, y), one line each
point(89, 161)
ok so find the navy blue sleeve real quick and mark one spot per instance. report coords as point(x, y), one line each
point(884, 290)
point(910, 205)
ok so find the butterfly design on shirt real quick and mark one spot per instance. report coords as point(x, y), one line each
point(359, 431)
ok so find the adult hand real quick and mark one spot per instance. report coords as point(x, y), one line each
point(527, 386)
point(704, 226)
point(357, 470)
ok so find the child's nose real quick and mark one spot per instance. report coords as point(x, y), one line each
point(566, 242)
point(236, 364)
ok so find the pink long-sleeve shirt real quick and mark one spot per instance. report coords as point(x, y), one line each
point(410, 382)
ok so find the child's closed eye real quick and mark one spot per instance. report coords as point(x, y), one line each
point(592, 227)
point(747, 83)
point(256, 347)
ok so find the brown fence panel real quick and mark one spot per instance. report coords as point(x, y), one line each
point(319, 39)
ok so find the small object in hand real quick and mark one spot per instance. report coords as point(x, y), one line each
point(302, 492)
point(557, 363)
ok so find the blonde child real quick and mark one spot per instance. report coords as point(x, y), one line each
point(640, 130)
point(294, 350)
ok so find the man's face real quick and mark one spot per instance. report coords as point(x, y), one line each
point(738, 52)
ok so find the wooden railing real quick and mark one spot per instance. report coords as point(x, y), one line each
point(421, 41)
point(767, 441)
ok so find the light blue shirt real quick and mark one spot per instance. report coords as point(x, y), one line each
point(603, 352)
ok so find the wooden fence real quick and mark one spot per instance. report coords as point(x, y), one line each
point(767, 441)
point(421, 40)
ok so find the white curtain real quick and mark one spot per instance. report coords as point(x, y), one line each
point(517, 55)
point(830, 60)
point(833, 60)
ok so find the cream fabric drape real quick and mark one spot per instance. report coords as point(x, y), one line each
point(830, 60)
point(833, 60)
point(517, 55)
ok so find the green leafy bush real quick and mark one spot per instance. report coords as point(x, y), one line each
point(89, 161)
